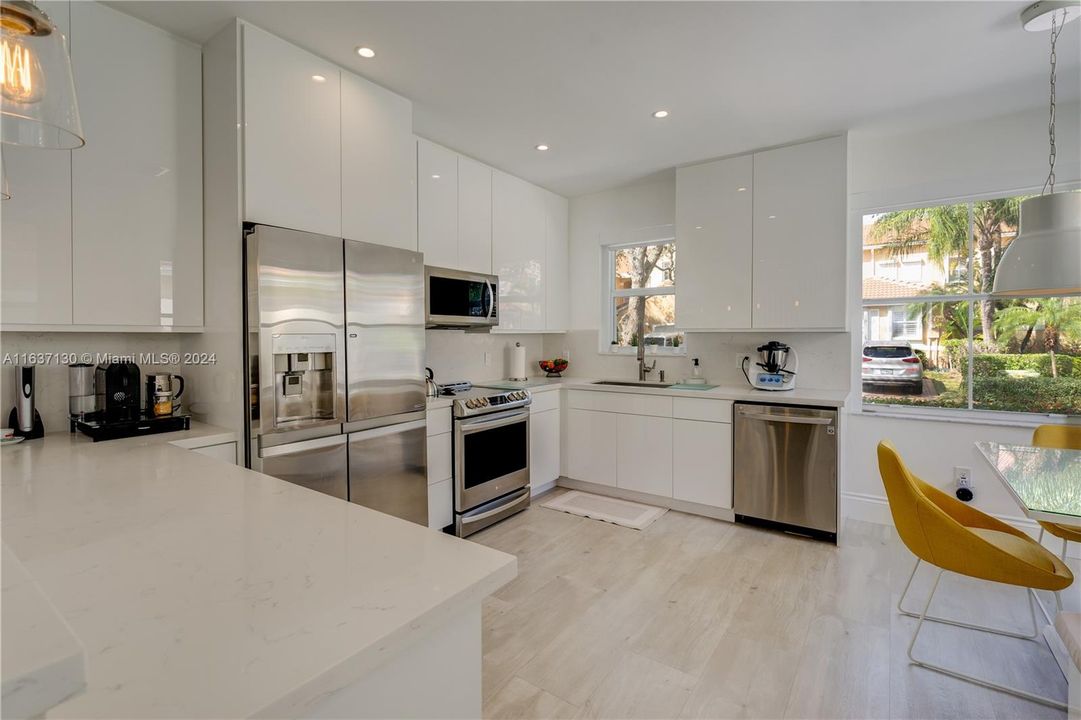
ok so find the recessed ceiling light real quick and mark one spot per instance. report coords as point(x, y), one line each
point(365, 52)
point(542, 147)
point(697, 227)
point(435, 177)
point(741, 189)
point(660, 114)
point(319, 78)
point(772, 217)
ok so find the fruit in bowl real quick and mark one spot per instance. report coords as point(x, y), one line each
point(553, 368)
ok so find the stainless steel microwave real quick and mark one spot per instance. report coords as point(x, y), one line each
point(458, 299)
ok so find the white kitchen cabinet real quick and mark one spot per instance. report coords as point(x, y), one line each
point(474, 216)
point(518, 252)
point(702, 462)
point(440, 504)
point(713, 236)
point(800, 253)
point(292, 136)
point(35, 236)
point(136, 187)
point(644, 462)
point(440, 466)
point(543, 448)
point(590, 441)
point(437, 204)
point(226, 452)
point(557, 272)
point(379, 165)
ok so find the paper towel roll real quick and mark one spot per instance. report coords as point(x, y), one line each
point(517, 363)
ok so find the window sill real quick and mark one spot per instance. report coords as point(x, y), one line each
point(968, 417)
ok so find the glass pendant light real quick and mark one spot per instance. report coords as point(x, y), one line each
point(37, 93)
point(1045, 257)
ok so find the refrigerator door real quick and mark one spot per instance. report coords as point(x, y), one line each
point(384, 295)
point(320, 464)
point(388, 470)
point(295, 303)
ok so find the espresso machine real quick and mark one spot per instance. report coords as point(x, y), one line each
point(118, 410)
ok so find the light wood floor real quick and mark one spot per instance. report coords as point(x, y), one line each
point(700, 618)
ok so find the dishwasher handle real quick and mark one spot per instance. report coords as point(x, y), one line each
point(796, 419)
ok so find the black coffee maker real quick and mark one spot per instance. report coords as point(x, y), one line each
point(118, 387)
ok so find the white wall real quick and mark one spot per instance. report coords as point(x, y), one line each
point(639, 212)
point(893, 168)
point(476, 357)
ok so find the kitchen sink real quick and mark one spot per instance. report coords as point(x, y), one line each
point(633, 383)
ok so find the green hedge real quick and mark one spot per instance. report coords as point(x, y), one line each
point(990, 365)
point(1041, 395)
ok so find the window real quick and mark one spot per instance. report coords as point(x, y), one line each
point(932, 334)
point(640, 303)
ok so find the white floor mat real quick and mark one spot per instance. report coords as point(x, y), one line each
point(597, 507)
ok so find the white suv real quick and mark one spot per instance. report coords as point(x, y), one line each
point(892, 363)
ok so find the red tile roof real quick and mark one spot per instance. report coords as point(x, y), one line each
point(876, 287)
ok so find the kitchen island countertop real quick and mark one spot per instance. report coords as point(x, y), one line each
point(201, 589)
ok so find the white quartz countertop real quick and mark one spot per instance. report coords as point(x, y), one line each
point(202, 589)
point(799, 396)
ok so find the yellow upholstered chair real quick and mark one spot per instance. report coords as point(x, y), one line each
point(953, 536)
point(1062, 437)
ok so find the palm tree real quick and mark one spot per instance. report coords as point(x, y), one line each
point(1057, 317)
point(943, 230)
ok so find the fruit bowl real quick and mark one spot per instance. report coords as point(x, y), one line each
point(553, 368)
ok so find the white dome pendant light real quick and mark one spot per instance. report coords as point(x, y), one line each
point(1045, 257)
point(37, 93)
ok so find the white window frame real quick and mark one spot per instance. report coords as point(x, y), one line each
point(1008, 418)
point(609, 293)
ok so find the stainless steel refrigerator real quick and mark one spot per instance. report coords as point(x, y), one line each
point(335, 356)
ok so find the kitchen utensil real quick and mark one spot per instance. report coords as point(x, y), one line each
point(431, 389)
point(163, 384)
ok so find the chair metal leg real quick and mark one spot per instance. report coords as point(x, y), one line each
point(961, 676)
point(1032, 602)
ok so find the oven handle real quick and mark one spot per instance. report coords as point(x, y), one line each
point(467, 427)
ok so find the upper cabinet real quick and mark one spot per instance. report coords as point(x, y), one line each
point(474, 216)
point(761, 240)
point(137, 210)
point(437, 204)
point(292, 136)
point(110, 236)
point(379, 161)
point(799, 237)
point(556, 284)
point(713, 238)
point(518, 252)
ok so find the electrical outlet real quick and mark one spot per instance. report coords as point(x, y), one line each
point(962, 477)
point(487, 359)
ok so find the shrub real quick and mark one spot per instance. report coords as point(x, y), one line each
point(1040, 394)
point(992, 365)
point(956, 352)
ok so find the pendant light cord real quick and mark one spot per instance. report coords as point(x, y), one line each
point(1055, 31)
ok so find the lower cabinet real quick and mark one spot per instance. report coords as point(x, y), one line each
point(543, 449)
point(591, 446)
point(702, 462)
point(679, 448)
point(644, 454)
point(222, 451)
point(440, 469)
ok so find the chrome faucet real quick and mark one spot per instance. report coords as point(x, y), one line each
point(642, 367)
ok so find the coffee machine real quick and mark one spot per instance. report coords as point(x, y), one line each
point(118, 391)
point(118, 410)
point(778, 364)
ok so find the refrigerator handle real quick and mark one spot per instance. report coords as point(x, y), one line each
point(302, 446)
point(388, 430)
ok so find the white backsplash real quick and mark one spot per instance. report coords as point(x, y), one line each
point(51, 396)
point(823, 357)
point(474, 356)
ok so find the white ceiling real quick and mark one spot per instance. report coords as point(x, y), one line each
point(493, 79)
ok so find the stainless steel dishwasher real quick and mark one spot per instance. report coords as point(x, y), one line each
point(785, 468)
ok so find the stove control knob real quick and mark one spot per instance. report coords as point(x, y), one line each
point(483, 402)
point(470, 403)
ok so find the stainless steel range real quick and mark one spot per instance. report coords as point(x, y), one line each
point(491, 457)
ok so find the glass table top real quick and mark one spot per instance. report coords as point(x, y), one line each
point(1045, 481)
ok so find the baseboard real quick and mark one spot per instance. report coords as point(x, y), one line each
point(647, 499)
point(536, 490)
point(875, 509)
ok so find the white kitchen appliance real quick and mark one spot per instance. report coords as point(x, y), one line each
point(776, 370)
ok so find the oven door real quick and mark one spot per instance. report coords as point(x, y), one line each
point(491, 457)
point(460, 299)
